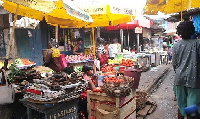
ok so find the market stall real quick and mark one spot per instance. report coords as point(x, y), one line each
point(46, 91)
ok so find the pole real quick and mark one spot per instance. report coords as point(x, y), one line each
point(56, 36)
point(128, 42)
point(138, 42)
point(11, 42)
point(181, 11)
point(122, 39)
point(93, 42)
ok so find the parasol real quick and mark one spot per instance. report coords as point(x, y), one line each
point(55, 12)
point(169, 6)
point(105, 13)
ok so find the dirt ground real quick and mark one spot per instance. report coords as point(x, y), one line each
point(164, 97)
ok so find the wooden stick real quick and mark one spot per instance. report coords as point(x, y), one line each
point(94, 48)
point(11, 42)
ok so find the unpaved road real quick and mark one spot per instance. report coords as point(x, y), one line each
point(164, 97)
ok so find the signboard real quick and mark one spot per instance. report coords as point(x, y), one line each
point(138, 30)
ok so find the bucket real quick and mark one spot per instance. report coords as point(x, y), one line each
point(121, 69)
point(135, 74)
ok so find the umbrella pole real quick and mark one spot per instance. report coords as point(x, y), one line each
point(94, 55)
point(181, 11)
point(56, 36)
point(122, 39)
point(11, 42)
point(128, 42)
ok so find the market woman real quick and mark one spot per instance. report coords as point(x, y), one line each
point(77, 50)
point(101, 52)
point(52, 59)
point(87, 75)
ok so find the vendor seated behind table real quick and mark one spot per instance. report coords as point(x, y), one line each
point(53, 56)
point(77, 50)
point(87, 75)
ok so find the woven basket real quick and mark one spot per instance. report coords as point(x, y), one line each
point(141, 99)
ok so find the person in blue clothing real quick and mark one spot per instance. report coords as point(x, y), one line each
point(186, 63)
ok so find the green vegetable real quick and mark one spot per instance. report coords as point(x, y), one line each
point(14, 72)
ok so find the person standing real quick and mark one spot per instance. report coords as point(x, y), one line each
point(82, 104)
point(101, 52)
point(186, 63)
point(77, 50)
point(53, 57)
point(114, 48)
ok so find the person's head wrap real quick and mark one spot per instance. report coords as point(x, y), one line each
point(54, 43)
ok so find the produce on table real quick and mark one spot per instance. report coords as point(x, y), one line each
point(114, 61)
point(20, 62)
point(108, 68)
point(78, 58)
point(118, 86)
point(78, 68)
point(59, 87)
point(127, 62)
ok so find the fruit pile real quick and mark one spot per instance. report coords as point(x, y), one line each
point(79, 58)
point(127, 62)
point(113, 79)
point(22, 61)
point(114, 61)
point(107, 68)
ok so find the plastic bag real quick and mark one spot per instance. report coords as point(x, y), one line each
point(7, 92)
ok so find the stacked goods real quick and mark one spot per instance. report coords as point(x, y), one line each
point(107, 68)
point(23, 63)
point(78, 58)
point(57, 88)
point(17, 75)
point(118, 86)
point(127, 62)
point(114, 61)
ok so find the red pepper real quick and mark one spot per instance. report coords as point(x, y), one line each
point(97, 90)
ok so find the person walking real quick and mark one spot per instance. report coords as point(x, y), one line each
point(186, 63)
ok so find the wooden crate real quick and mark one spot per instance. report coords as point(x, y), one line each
point(126, 105)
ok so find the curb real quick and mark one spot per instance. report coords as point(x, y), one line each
point(159, 77)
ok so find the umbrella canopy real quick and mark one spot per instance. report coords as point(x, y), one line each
point(169, 6)
point(61, 12)
point(105, 13)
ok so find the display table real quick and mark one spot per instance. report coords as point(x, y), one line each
point(65, 110)
point(90, 63)
point(125, 106)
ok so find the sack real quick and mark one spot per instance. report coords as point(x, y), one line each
point(7, 92)
point(104, 59)
point(107, 112)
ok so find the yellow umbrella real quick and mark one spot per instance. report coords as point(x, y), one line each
point(153, 6)
point(53, 10)
point(170, 6)
point(105, 14)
